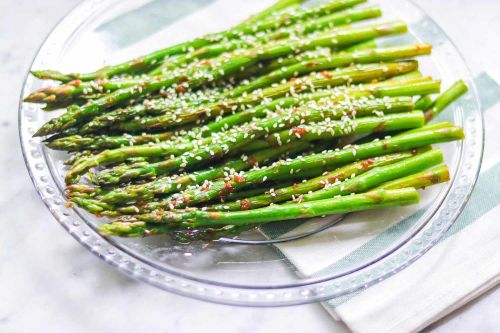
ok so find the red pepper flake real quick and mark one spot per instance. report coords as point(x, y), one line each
point(238, 179)
point(428, 115)
point(366, 163)
point(68, 204)
point(326, 74)
point(252, 161)
point(75, 83)
point(295, 186)
point(245, 204)
point(299, 130)
point(181, 89)
point(434, 179)
point(229, 186)
point(214, 215)
point(292, 79)
point(374, 81)
point(333, 179)
point(205, 62)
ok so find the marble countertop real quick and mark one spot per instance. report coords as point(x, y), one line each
point(49, 283)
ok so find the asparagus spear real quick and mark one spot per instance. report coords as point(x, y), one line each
point(326, 160)
point(99, 142)
point(315, 184)
point(161, 222)
point(327, 130)
point(423, 103)
point(304, 56)
point(178, 145)
point(314, 64)
point(378, 176)
point(167, 185)
point(207, 73)
point(436, 175)
point(266, 126)
point(408, 87)
point(423, 179)
point(70, 91)
point(329, 21)
point(323, 63)
point(356, 74)
point(147, 61)
point(418, 180)
point(382, 89)
point(446, 98)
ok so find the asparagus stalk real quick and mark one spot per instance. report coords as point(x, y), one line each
point(167, 185)
point(293, 59)
point(382, 89)
point(307, 55)
point(421, 180)
point(408, 87)
point(436, 175)
point(418, 180)
point(329, 21)
point(141, 225)
point(356, 74)
point(327, 130)
point(315, 184)
point(378, 176)
point(144, 63)
point(446, 98)
point(423, 103)
point(324, 63)
point(96, 201)
point(262, 127)
point(99, 142)
point(225, 67)
point(314, 64)
point(326, 160)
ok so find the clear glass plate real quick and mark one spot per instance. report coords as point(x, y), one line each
point(108, 31)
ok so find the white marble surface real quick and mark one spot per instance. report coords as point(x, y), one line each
point(49, 283)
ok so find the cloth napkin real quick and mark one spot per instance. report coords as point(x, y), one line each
point(459, 268)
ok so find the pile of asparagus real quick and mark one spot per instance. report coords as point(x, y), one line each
point(295, 112)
